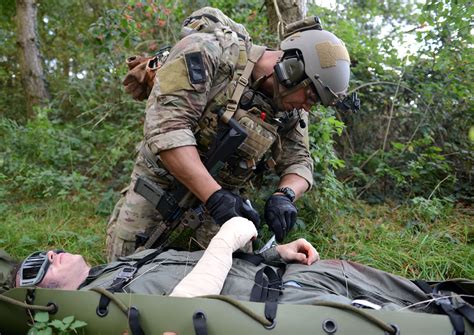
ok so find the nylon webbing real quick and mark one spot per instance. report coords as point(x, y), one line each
point(200, 323)
point(134, 321)
point(456, 314)
point(255, 53)
point(251, 258)
point(267, 290)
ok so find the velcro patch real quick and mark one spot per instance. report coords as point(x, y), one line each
point(173, 77)
point(329, 53)
point(196, 70)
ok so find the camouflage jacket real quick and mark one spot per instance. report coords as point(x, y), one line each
point(179, 111)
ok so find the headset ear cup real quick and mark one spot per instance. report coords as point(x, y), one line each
point(290, 71)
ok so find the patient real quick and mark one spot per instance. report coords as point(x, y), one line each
point(187, 274)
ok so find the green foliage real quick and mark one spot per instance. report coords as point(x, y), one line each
point(70, 224)
point(412, 131)
point(44, 159)
point(430, 210)
point(328, 193)
point(66, 326)
point(402, 240)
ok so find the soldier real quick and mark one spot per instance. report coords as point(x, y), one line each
point(215, 74)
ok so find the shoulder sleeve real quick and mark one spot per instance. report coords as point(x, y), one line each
point(180, 92)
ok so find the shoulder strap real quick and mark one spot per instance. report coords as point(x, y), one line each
point(254, 55)
point(255, 259)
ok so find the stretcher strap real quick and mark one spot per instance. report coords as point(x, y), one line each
point(267, 290)
point(200, 323)
point(134, 321)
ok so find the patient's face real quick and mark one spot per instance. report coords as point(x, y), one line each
point(64, 271)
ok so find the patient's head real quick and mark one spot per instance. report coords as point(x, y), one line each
point(53, 269)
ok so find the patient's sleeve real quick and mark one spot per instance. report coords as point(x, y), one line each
point(210, 272)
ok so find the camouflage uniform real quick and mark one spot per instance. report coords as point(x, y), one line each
point(179, 113)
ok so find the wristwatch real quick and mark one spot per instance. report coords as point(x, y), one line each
point(288, 192)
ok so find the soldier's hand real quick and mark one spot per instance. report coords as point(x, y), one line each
point(280, 215)
point(223, 205)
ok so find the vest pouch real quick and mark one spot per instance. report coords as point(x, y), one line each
point(261, 136)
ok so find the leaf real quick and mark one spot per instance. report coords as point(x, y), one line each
point(78, 324)
point(42, 317)
point(58, 324)
point(46, 331)
point(68, 320)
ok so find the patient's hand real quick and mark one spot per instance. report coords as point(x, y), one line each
point(300, 251)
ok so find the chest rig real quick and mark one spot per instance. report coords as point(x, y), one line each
point(260, 149)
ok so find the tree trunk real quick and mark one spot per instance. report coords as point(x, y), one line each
point(290, 10)
point(29, 56)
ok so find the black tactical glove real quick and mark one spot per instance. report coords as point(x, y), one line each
point(280, 215)
point(224, 205)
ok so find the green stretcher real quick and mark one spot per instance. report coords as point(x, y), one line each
point(223, 315)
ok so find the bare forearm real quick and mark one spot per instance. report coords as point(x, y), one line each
point(185, 164)
point(298, 184)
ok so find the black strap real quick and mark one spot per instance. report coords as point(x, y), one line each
point(134, 322)
point(423, 285)
point(251, 258)
point(456, 314)
point(267, 290)
point(456, 319)
point(467, 311)
point(199, 323)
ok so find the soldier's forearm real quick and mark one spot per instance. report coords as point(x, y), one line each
point(185, 164)
point(295, 182)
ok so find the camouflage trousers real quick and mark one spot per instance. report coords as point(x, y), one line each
point(133, 215)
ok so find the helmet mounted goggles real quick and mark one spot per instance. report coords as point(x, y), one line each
point(34, 268)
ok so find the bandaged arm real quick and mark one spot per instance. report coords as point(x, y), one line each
point(210, 272)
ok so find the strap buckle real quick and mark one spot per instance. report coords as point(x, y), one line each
point(243, 81)
point(126, 273)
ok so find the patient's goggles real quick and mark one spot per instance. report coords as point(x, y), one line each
point(34, 268)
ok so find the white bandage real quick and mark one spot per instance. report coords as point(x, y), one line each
point(209, 274)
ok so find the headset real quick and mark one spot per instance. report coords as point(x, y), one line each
point(290, 69)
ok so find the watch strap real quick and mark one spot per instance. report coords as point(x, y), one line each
point(288, 192)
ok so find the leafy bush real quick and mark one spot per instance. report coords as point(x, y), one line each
point(44, 159)
point(430, 210)
point(66, 326)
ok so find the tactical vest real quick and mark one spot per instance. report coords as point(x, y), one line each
point(261, 135)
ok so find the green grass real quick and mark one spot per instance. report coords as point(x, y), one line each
point(394, 240)
point(54, 223)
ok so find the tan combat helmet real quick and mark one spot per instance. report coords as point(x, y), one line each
point(318, 55)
